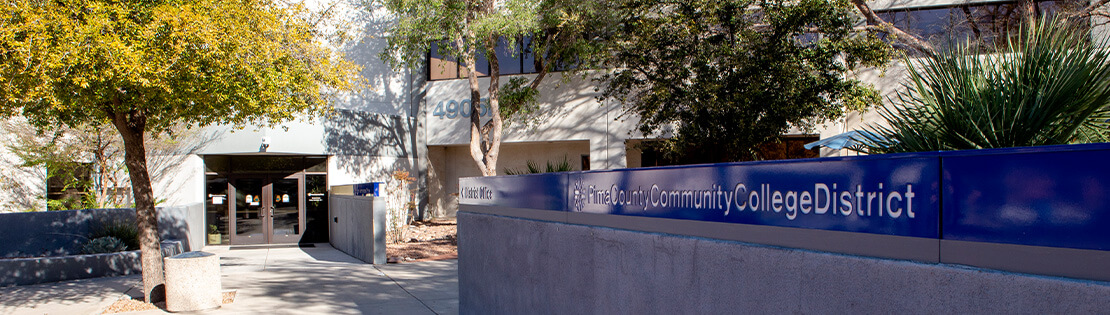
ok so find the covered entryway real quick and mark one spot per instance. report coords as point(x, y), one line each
point(266, 199)
point(267, 208)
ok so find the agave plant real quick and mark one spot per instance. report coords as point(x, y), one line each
point(1049, 86)
point(102, 245)
point(533, 168)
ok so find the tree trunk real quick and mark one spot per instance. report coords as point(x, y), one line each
point(131, 126)
point(495, 122)
point(481, 146)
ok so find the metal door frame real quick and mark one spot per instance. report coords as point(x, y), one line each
point(267, 204)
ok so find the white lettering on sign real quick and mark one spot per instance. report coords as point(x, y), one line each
point(823, 199)
point(475, 193)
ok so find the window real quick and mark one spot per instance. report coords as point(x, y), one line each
point(527, 59)
point(788, 147)
point(216, 210)
point(441, 67)
point(508, 58)
point(316, 213)
point(989, 23)
point(512, 58)
point(68, 185)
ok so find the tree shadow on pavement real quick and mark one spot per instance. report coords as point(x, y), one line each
point(67, 296)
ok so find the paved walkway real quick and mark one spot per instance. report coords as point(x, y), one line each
point(318, 280)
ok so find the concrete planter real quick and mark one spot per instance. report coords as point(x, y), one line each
point(192, 282)
point(23, 271)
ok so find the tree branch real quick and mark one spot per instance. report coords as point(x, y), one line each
point(874, 20)
point(1092, 9)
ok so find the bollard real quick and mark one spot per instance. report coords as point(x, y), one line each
point(193, 282)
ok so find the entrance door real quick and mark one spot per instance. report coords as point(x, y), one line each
point(267, 209)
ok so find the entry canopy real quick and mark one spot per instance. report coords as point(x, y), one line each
point(854, 140)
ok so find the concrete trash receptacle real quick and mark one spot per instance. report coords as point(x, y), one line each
point(193, 282)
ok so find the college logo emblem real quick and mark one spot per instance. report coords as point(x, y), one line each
point(578, 194)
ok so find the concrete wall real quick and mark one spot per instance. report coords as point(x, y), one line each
point(53, 233)
point(185, 223)
point(559, 268)
point(57, 233)
point(357, 226)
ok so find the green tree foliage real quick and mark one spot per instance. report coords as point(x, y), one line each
point(87, 160)
point(61, 156)
point(1051, 86)
point(726, 76)
point(471, 28)
point(144, 66)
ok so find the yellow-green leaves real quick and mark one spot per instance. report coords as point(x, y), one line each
point(194, 62)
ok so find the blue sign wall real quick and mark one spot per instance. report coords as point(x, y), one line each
point(540, 191)
point(884, 196)
point(1055, 196)
point(1048, 196)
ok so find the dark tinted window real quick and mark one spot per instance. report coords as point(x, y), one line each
point(316, 209)
point(441, 67)
point(989, 23)
point(216, 163)
point(482, 66)
point(512, 59)
point(508, 57)
point(248, 164)
point(316, 164)
point(216, 210)
point(526, 58)
point(67, 185)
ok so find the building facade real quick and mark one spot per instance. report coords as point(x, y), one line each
point(270, 185)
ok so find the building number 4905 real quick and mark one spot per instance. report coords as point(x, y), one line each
point(452, 109)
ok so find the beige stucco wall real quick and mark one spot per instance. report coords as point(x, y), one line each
point(568, 111)
point(449, 163)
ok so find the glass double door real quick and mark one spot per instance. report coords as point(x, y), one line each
point(267, 209)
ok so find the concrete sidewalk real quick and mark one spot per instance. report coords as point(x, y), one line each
point(273, 281)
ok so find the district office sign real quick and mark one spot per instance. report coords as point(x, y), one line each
point(891, 196)
point(541, 191)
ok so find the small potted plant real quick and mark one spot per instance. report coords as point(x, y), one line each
point(214, 236)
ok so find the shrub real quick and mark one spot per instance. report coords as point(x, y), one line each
point(1051, 85)
point(105, 244)
point(533, 168)
point(123, 231)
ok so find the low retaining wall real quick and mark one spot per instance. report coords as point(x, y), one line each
point(60, 233)
point(53, 240)
point(995, 231)
point(22, 271)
